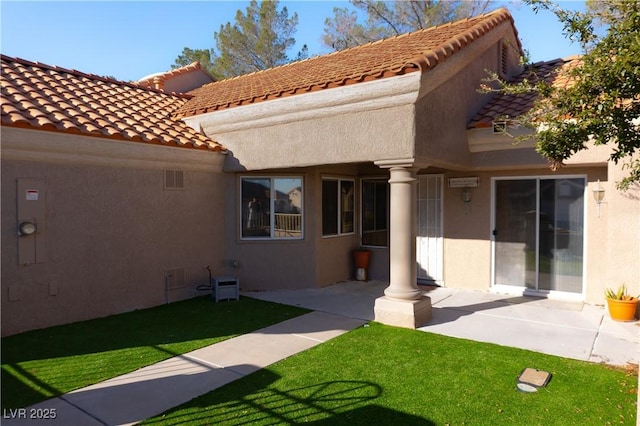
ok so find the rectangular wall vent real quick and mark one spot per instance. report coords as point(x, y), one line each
point(503, 61)
point(174, 179)
point(175, 278)
point(500, 126)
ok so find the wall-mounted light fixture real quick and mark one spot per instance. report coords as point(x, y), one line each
point(466, 195)
point(598, 195)
point(465, 183)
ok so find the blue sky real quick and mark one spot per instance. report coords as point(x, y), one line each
point(130, 40)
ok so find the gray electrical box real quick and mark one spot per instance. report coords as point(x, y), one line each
point(225, 288)
point(31, 226)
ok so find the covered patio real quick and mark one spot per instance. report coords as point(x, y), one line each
point(563, 328)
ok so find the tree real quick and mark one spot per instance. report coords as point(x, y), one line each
point(259, 39)
point(386, 19)
point(602, 106)
point(189, 56)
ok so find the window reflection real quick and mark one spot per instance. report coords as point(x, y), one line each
point(374, 212)
point(262, 196)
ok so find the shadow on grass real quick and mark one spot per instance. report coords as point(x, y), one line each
point(234, 402)
point(28, 387)
point(43, 363)
point(23, 384)
point(193, 319)
point(331, 402)
point(371, 415)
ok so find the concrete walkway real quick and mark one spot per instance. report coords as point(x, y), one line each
point(567, 329)
point(152, 390)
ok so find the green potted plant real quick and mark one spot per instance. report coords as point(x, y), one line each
point(622, 307)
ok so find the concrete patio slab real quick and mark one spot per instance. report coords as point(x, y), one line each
point(616, 340)
point(544, 311)
point(352, 299)
point(557, 327)
point(509, 330)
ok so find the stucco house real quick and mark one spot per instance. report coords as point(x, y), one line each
point(277, 176)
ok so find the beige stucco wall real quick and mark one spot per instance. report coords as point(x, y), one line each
point(466, 232)
point(356, 123)
point(414, 116)
point(612, 253)
point(442, 114)
point(184, 82)
point(111, 228)
point(619, 251)
point(315, 260)
point(352, 137)
point(333, 253)
point(264, 263)
point(319, 261)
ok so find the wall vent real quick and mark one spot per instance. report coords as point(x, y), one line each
point(503, 58)
point(174, 179)
point(500, 126)
point(175, 278)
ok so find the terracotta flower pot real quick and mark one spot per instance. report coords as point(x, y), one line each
point(361, 258)
point(623, 310)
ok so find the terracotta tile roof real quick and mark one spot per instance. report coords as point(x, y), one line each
point(417, 51)
point(42, 97)
point(510, 105)
point(157, 80)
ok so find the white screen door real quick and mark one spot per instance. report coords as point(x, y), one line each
point(429, 249)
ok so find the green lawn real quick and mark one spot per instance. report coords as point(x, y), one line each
point(372, 375)
point(383, 375)
point(44, 363)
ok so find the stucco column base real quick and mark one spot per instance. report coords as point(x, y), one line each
point(403, 313)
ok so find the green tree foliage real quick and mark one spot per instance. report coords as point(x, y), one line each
point(390, 18)
point(189, 56)
point(259, 39)
point(603, 106)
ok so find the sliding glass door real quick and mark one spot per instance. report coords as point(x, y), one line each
point(514, 233)
point(538, 233)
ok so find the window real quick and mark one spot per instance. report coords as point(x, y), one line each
point(271, 207)
point(337, 206)
point(375, 196)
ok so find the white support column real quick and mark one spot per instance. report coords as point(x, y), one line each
point(403, 305)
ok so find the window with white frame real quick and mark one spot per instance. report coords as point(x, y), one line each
point(337, 206)
point(374, 211)
point(271, 207)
